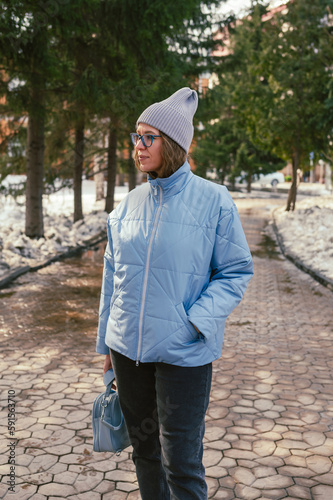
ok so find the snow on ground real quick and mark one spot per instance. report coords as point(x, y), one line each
point(307, 232)
point(60, 233)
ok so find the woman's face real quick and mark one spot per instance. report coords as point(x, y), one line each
point(150, 159)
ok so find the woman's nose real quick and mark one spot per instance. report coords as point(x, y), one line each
point(140, 145)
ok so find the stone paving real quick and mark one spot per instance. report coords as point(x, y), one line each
point(269, 428)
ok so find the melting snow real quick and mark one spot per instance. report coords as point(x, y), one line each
point(307, 232)
point(60, 234)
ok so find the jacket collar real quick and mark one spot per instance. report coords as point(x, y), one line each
point(173, 184)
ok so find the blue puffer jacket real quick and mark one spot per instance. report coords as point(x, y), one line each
point(176, 257)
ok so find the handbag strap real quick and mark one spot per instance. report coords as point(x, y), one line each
point(108, 377)
point(114, 427)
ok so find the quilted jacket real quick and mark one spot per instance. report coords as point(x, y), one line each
point(176, 257)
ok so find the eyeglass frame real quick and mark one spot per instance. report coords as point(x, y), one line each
point(141, 138)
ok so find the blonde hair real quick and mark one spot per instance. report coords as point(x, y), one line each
point(173, 157)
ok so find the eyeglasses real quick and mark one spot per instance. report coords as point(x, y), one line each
point(147, 139)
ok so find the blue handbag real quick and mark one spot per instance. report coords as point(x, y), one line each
point(109, 428)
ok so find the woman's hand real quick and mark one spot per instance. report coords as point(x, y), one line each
point(107, 363)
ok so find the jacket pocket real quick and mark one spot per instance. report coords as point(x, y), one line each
point(194, 336)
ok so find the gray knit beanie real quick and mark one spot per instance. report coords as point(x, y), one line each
point(173, 116)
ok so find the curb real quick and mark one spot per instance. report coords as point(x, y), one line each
point(282, 190)
point(12, 275)
point(323, 280)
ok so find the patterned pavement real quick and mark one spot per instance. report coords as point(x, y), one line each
point(269, 427)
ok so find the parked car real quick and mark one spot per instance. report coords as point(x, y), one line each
point(273, 179)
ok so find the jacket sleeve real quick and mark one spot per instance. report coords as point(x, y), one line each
point(231, 271)
point(106, 294)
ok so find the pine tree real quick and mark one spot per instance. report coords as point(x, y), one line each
point(296, 58)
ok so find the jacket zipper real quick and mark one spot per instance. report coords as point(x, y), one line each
point(145, 281)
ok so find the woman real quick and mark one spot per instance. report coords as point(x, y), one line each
point(176, 265)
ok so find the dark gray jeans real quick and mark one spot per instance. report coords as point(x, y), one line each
point(164, 408)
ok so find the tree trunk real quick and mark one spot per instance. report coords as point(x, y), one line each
point(99, 178)
point(78, 169)
point(249, 183)
point(120, 179)
point(291, 203)
point(34, 227)
point(111, 168)
point(131, 171)
point(99, 161)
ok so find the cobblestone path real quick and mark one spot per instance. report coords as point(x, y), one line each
point(269, 430)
